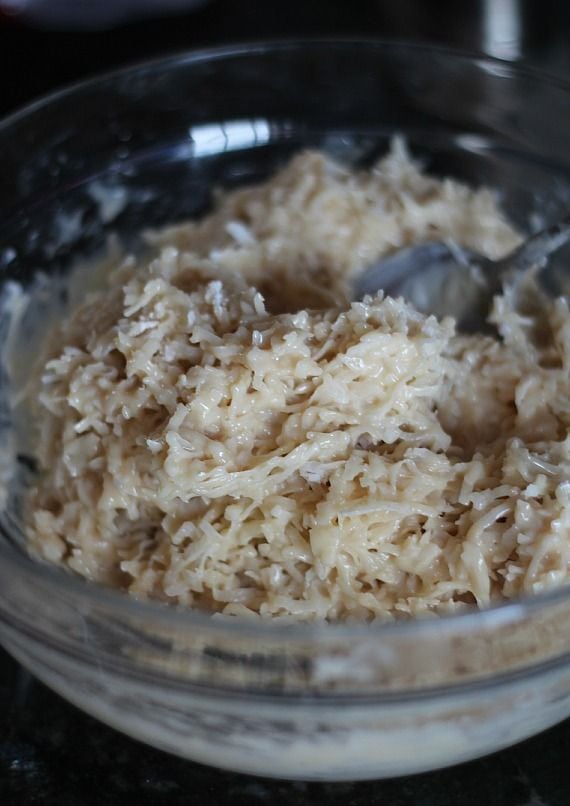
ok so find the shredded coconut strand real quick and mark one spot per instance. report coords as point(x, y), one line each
point(222, 428)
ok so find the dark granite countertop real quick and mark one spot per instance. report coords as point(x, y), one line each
point(51, 753)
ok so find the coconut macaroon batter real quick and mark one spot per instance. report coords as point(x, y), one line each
point(221, 427)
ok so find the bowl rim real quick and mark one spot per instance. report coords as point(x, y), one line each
point(500, 67)
point(82, 590)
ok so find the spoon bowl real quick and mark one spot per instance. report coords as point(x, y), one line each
point(445, 279)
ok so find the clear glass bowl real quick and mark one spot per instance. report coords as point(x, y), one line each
point(145, 146)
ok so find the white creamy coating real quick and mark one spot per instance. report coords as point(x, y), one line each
point(222, 428)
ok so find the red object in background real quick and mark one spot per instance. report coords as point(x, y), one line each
point(5, 18)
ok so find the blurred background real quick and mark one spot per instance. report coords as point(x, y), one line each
point(45, 43)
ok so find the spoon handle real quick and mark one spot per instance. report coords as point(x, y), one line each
point(537, 248)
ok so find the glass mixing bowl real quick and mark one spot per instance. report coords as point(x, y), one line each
point(144, 146)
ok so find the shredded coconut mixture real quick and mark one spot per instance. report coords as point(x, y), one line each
point(222, 428)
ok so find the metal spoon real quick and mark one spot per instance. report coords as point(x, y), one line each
point(448, 280)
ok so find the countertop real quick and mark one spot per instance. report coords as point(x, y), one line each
point(51, 753)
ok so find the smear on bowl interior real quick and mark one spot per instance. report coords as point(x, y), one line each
point(221, 427)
